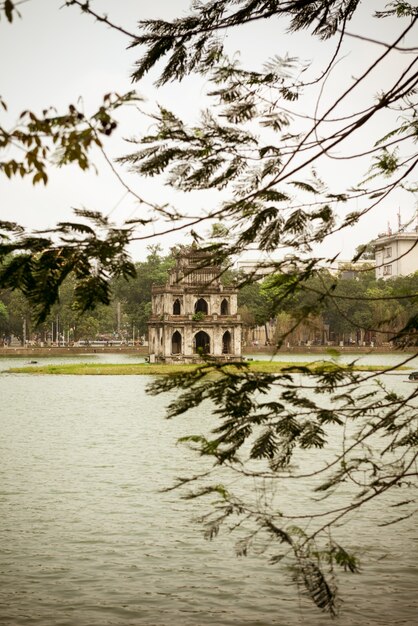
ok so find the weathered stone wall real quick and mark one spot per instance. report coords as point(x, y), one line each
point(174, 311)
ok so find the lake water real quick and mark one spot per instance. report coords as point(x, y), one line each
point(88, 538)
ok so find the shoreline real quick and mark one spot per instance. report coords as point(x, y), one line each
point(17, 351)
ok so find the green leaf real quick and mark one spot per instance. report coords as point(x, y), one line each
point(40, 177)
point(304, 186)
point(9, 8)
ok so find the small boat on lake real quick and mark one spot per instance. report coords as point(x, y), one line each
point(413, 377)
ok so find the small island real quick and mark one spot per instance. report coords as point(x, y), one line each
point(155, 369)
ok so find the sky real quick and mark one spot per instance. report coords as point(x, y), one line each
point(54, 56)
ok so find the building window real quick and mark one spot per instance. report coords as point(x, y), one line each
point(201, 342)
point(387, 270)
point(176, 307)
point(226, 343)
point(201, 306)
point(224, 307)
point(176, 343)
point(388, 252)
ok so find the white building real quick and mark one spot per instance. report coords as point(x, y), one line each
point(397, 254)
point(257, 269)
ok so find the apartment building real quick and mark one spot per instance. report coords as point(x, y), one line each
point(396, 254)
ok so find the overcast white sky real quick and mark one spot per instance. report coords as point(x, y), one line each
point(54, 55)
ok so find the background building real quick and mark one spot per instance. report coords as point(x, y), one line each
point(396, 254)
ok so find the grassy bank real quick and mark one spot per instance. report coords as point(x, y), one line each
point(138, 369)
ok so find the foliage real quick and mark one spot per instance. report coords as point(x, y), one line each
point(62, 139)
point(17, 310)
point(356, 305)
point(249, 146)
point(266, 155)
point(192, 41)
point(135, 295)
point(198, 317)
point(267, 424)
point(254, 299)
point(93, 249)
point(129, 305)
point(365, 251)
point(358, 308)
point(39, 265)
point(9, 9)
point(4, 317)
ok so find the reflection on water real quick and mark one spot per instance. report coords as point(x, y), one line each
point(88, 538)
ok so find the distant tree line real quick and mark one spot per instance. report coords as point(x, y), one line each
point(124, 319)
point(361, 309)
point(329, 309)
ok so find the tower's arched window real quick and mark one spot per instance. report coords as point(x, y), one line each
point(201, 342)
point(176, 307)
point(226, 343)
point(201, 306)
point(176, 343)
point(224, 307)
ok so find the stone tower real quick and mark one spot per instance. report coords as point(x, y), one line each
point(194, 314)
